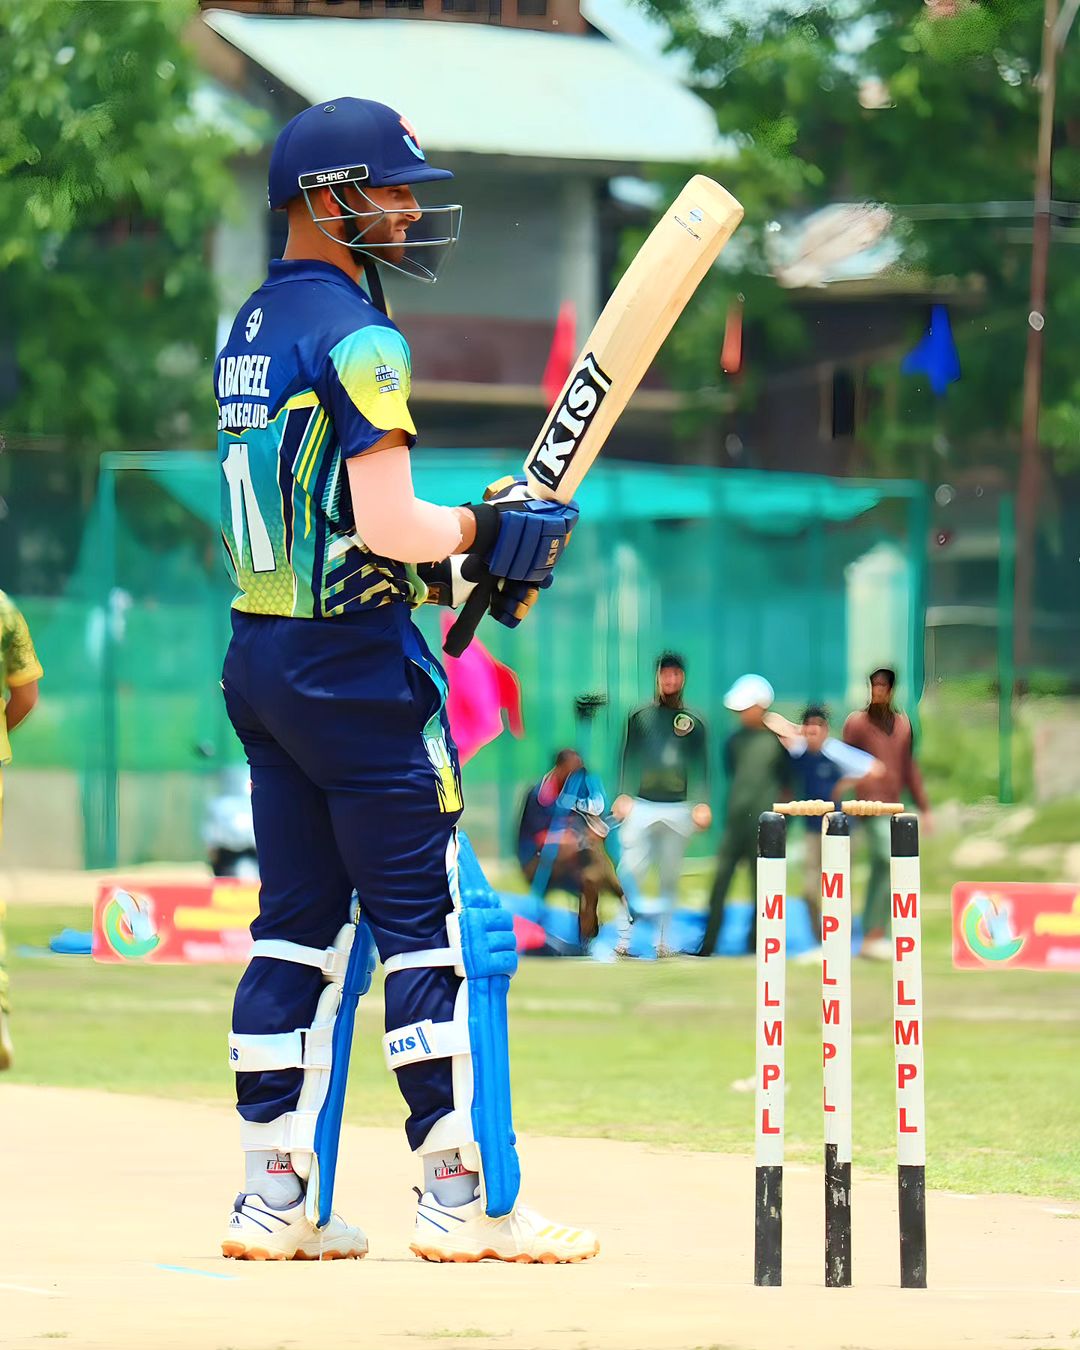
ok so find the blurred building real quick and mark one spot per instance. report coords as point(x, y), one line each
point(546, 122)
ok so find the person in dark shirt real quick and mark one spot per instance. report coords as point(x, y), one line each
point(823, 769)
point(560, 840)
point(663, 788)
point(759, 773)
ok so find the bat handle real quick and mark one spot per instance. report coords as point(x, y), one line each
point(472, 611)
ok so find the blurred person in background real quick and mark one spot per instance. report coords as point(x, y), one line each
point(663, 789)
point(822, 769)
point(561, 841)
point(229, 826)
point(20, 672)
point(758, 772)
point(884, 732)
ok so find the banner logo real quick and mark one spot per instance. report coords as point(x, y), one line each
point(988, 930)
point(128, 924)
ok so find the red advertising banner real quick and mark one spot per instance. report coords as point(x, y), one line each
point(193, 922)
point(1015, 925)
point(198, 922)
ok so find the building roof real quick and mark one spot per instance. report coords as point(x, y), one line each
point(489, 91)
point(630, 25)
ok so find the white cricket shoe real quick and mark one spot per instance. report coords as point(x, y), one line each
point(259, 1232)
point(876, 949)
point(465, 1233)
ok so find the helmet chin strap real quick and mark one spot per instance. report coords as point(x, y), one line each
point(374, 284)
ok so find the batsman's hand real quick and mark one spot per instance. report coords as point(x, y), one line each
point(519, 537)
point(512, 600)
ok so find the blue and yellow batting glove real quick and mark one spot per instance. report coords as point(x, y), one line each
point(519, 537)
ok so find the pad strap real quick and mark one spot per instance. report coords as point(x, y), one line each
point(433, 956)
point(425, 1040)
point(293, 1132)
point(332, 961)
point(306, 1048)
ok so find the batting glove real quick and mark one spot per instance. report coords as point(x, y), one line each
point(519, 537)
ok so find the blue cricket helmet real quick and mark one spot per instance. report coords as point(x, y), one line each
point(347, 140)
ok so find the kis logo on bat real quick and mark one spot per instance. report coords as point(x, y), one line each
point(570, 419)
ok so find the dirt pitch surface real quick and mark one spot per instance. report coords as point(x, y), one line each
point(113, 1207)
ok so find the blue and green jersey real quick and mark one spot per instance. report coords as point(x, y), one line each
point(312, 374)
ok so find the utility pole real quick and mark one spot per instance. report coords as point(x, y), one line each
point(1029, 484)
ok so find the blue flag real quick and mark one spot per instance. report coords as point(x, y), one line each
point(936, 354)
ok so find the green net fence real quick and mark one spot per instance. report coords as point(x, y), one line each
point(809, 581)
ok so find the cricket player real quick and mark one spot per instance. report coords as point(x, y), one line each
point(340, 706)
point(20, 672)
point(663, 786)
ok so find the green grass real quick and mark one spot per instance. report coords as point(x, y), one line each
point(957, 747)
point(1054, 823)
point(634, 1051)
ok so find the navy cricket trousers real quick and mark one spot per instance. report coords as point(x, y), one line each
point(345, 794)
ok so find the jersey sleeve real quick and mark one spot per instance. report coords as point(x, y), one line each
point(697, 778)
point(368, 378)
point(630, 761)
point(852, 762)
point(20, 663)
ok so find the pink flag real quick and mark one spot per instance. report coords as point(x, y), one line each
point(563, 350)
point(732, 351)
point(481, 689)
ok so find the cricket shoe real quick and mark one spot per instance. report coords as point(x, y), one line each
point(876, 949)
point(259, 1232)
point(465, 1233)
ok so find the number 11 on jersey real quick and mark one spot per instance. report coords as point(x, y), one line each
point(237, 471)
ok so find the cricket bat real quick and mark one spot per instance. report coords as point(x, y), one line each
point(653, 292)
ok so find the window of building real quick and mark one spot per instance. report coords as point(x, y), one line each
point(532, 9)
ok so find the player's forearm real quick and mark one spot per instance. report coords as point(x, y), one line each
point(630, 771)
point(395, 523)
point(21, 703)
point(697, 783)
point(915, 785)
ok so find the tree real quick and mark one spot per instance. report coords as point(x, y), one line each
point(109, 184)
point(907, 103)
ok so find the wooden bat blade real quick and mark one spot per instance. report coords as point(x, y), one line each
point(651, 295)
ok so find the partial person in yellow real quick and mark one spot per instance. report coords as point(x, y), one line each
point(20, 672)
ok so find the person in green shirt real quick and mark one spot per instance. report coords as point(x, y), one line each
point(663, 790)
point(20, 671)
point(758, 773)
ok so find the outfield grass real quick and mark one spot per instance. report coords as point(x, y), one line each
point(632, 1051)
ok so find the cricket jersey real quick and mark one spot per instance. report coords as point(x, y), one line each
point(18, 662)
point(313, 373)
point(664, 756)
point(758, 771)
